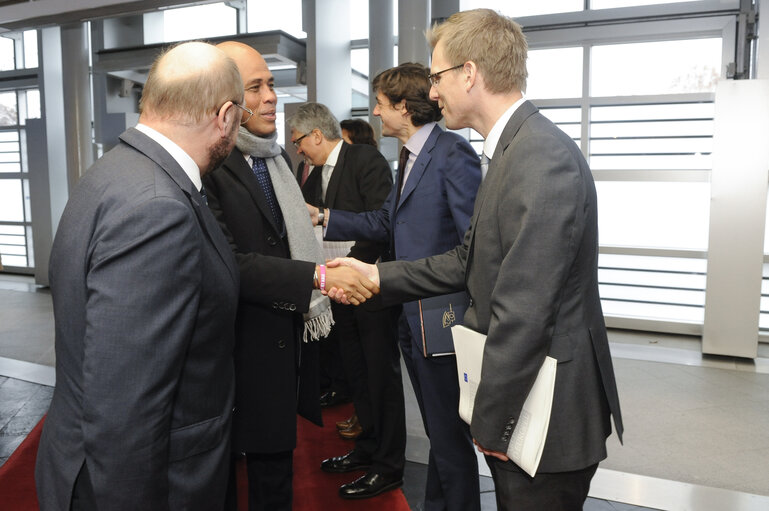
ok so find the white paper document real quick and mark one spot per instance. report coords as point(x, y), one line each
point(332, 249)
point(528, 440)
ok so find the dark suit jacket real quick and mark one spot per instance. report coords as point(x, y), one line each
point(274, 291)
point(432, 213)
point(529, 262)
point(361, 181)
point(144, 292)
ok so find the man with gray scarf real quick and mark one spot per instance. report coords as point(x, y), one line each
point(282, 312)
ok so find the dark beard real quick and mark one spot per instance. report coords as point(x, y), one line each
point(218, 152)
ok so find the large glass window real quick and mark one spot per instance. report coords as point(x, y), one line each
point(555, 73)
point(199, 22)
point(663, 67)
point(522, 8)
point(17, 51)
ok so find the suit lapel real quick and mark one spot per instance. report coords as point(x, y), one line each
point(420, 165)
point(488, 186)
point(236, 163)
point(206, 220)
point(336, 176)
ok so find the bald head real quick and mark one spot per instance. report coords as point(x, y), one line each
point(189, 82)
point(258, 83)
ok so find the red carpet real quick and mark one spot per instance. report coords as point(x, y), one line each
point(314, 490)
point(17, 475)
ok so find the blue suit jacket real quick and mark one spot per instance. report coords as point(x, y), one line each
point(433, 211)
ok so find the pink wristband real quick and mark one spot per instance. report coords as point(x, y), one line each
point(322, 277)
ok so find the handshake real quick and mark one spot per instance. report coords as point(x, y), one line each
point(350, 281)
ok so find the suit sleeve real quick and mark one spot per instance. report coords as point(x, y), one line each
point(368, 225)
point(543, 197)
point(143, 288)
point(462, 171)
point(374, 184)
point(405, 281)
point(264, 280)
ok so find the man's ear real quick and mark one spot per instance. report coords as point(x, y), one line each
point(470, 71)
point(226, 116)
point(402, 107)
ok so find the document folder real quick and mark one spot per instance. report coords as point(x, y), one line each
point(437, 315)
point(528, 440)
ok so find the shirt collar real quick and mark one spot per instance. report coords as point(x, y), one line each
point(334, 154)
point(416, 142)
point(184, 160)
point(490, 144)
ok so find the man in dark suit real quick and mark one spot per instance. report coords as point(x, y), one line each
point(529, 263)
point(357, 178)
point(426, 213)
point(281, 313)
point(144, 291)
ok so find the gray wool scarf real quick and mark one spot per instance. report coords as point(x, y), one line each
point(301, 239)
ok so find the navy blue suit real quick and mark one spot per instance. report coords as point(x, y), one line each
point(430, 217)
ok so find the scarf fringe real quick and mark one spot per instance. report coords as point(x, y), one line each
point(318, 326)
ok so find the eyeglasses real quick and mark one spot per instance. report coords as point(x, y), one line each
point(435, 78)
point(245, 109)
point(299, 140)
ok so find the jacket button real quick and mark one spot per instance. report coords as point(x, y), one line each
point(271, 241)
point(281, 344)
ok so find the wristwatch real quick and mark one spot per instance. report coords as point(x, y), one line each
point(321, 217)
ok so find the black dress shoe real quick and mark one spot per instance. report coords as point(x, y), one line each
point(332, 397)
point(369, 485)
point(346, 463)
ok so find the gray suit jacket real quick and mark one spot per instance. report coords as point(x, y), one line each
point(144, 290)
point(529, 263)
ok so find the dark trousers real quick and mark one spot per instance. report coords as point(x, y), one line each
point(368, 346)
point(560, 491)
point(83, 498)
point(332, 377)
point(452, 468)
point(269, 482)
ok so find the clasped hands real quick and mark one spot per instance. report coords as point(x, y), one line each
point(349, 281)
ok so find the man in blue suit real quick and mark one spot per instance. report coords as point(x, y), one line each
point(426, 213)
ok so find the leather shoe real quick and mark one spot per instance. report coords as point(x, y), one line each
point(369, 485)
point(352, 432)
point(346, 463)
point(331, 398)
point(340, 425)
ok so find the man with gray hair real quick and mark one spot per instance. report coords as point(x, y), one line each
point(357, 178)
point(144, 291)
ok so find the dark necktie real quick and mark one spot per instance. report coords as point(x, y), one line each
point(263, 177)
point(203, 194)
point(402, 160)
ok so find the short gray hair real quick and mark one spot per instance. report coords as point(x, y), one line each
point(312, 116)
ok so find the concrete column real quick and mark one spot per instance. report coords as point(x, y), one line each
point(329, 75)
point(76, 81)
point(763, 41)
point(442, 9)
point(380, 57)
point(737, 218)
point(413, 20)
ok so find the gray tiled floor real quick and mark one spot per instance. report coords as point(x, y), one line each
point(688, 418)
point(22, 405)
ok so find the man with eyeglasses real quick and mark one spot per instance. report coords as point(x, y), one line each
point(282, 312)
point(528, 261)
point(144, 290)
point(356, 177)
point(426, 213)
